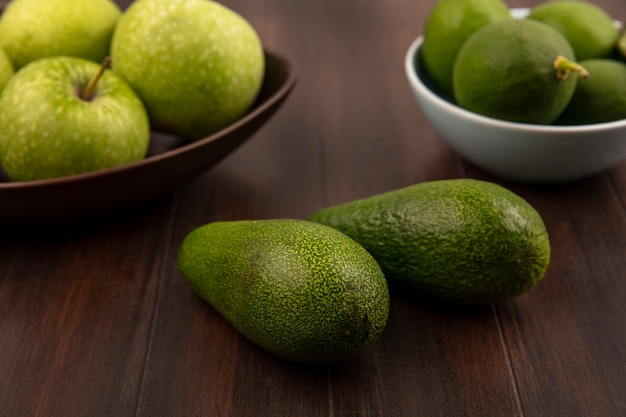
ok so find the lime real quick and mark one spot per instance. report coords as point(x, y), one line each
point(599, 98)
point(519, 70)
point(447, 27)
point(587, 27)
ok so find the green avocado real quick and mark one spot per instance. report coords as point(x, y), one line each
point(302, 291)
point(459, 241)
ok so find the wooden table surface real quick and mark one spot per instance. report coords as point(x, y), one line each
point(98, 321)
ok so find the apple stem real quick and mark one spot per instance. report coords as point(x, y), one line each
point(564, 66)
point(92, 84)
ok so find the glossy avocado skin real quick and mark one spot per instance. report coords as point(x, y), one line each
point(460, 241)
point(298, 289)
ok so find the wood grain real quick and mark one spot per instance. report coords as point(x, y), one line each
point(98, 322)
point(75, 316)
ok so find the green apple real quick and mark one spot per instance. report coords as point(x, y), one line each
point(32, 29)
point(197, 65)
point(6, 69)
point(62, 116)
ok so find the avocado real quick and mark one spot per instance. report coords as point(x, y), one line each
point(301, 290)
point(459, 241)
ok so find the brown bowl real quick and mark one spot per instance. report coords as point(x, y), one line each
point(170, 163)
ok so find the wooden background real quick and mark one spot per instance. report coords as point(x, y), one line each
point(98, 322)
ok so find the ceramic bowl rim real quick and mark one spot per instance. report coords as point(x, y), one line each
point(552, 130)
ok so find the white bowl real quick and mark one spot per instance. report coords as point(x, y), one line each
point(517, 151)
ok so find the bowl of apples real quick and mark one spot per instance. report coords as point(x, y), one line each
point(84, 136)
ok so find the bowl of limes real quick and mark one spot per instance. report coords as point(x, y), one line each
point(516, 94)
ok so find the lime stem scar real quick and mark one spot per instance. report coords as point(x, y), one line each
point(564, 67)
point(92, 84)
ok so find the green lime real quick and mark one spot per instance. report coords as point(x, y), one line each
point(519, 70)
point(601, 97)
point(447, 27)
point(587, 27)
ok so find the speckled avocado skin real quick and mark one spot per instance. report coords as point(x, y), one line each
point(460, 241)
point(298, 289)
